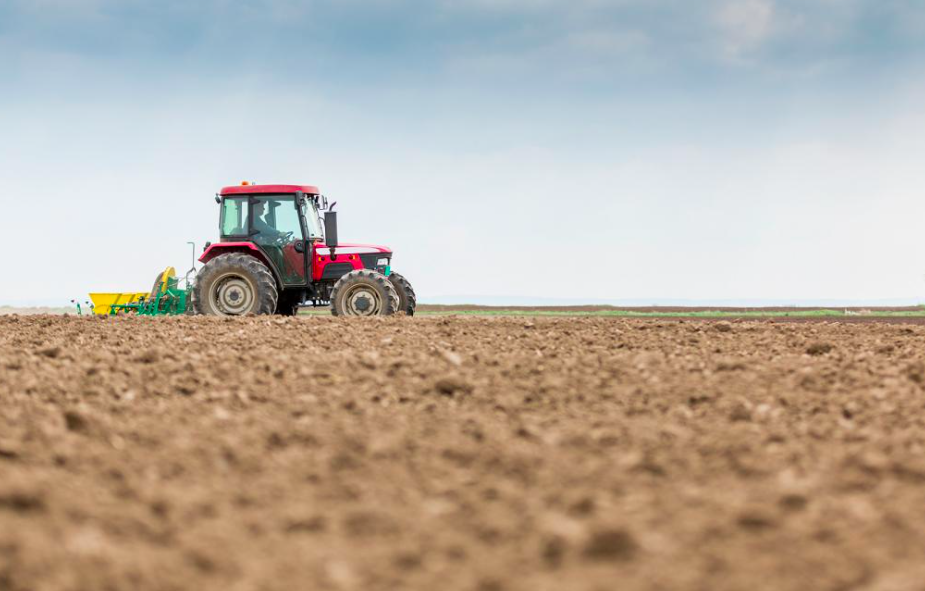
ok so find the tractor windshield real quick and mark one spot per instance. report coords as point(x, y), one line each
point(312, 221)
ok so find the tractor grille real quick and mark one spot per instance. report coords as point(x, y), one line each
point(369, 260)
point(336, 270)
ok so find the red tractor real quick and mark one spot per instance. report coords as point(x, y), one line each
point(273, 257)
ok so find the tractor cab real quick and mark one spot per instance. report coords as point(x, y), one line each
point(282, 226)
point(238, 211)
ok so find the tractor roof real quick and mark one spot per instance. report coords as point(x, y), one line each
point(254, 189)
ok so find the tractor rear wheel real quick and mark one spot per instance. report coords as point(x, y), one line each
point(407, 301)
point(234, 284)
point(364, 293)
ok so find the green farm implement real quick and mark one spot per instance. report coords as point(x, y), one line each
point(165, 298)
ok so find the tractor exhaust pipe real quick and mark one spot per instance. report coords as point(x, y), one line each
point(330, 232)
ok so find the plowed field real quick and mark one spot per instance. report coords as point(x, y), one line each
point(444, 453)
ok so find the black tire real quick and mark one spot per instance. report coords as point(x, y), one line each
point(288, 305)
point(231, 277)
point(407, 301)
point(364, 293)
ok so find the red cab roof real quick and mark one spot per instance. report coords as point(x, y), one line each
point(254, 189)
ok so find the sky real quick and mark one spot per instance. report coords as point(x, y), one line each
point(592, 150)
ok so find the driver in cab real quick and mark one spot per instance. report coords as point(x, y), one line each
point(260, 224)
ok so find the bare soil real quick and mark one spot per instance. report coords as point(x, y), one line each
point(28, 311)
point(443, 453)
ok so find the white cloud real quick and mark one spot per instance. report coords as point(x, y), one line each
point(745, 25)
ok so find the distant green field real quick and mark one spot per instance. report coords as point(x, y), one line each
point(919, 313)
point(698, 314)
point(692, 314)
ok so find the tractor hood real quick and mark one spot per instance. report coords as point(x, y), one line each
point(352, 248)
point(344, 248)
point(348, 257)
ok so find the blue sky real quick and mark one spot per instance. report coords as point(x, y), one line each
point(662, 149)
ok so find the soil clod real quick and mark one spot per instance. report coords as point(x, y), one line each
point(819, 348)
point(611, 544)
point(452, 386)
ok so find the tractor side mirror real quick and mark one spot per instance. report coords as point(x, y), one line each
point(330, 229)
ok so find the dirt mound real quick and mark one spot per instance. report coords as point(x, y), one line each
point(459, 453)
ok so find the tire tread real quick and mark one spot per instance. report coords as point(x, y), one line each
point(366, 276)
point(267, 295)
point(403, 285)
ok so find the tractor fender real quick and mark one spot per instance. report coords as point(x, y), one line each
point(218, 248)
point(245, 247)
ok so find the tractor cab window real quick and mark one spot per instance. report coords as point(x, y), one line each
point(234, 216)
point(277, 231)
point(312, 219)
point(277, 218)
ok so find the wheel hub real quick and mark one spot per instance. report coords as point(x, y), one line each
point(363, 301)
point(233, 295)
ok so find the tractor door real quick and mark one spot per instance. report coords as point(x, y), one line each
point(277, 230)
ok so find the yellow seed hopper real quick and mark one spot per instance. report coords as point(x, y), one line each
point(102, 302)
point(163, 298)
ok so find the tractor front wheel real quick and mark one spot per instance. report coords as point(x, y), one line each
point(364, 293)
point(407, 301)
point(234, 284)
